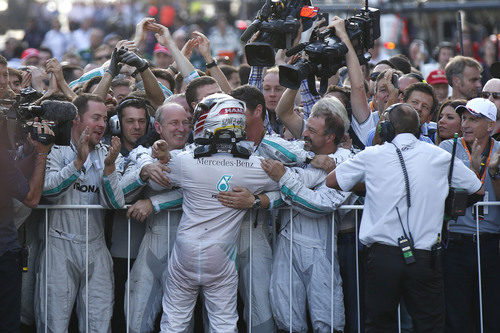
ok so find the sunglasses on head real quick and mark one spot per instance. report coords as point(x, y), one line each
point(487, 94)
point(374, 75)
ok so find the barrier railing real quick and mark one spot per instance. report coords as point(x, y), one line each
point(356, 209)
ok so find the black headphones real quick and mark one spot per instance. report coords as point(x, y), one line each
point(385, 129)
point(140, 103)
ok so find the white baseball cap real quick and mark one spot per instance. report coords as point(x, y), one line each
point(479, 107)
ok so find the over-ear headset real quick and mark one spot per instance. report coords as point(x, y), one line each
point(115, 122)
point(385, 128)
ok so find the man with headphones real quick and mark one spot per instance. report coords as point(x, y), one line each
point(131, 123)
point(402, 221)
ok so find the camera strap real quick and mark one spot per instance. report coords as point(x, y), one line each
point(482, 171)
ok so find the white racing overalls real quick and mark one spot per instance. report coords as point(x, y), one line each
point(311, 255)
point(64, 275)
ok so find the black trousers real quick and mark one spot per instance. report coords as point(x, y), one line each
point(462, 288)
point(10, 291)
point(388, 279)
point(118, 321)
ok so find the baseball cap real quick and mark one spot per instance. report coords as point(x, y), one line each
point(30, 52)
point(161, 49)
point(479, 107)
point(436, 77)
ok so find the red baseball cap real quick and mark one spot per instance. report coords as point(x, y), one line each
point(160, 48)
point(436, 77)
point(28, 53)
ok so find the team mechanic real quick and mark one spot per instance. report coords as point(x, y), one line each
point(80, 174)
point(147, 274)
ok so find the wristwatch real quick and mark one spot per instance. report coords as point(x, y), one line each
point(256, 203)
point(212, 64)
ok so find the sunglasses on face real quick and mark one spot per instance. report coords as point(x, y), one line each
point(374, 75)
point(487, 94)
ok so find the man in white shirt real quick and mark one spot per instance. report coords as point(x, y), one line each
point(403, 254)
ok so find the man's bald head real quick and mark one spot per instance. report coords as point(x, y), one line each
point(490, 88)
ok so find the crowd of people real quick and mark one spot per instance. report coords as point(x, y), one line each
point(194, 154)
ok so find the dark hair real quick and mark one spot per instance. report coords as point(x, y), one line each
point(244, 72)
point(192, 88)
point(252, 97)
point(422, 87)
point(46, 49)
point(3, 61)
point(164, 75)
point(228, 70)
point(415, 76)
point(123, 82)
point(385, 62)
point(456, 66)
point(86, 87)
point(69, 72)
point(179, 80)
point(139, 103)
point(450, 102)
point(401, 62)
point(82, 102)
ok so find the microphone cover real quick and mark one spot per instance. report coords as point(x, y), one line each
point(58, 111)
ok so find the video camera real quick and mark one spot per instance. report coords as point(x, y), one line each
point(326, 53)
point(278, 23)
point(58, 114)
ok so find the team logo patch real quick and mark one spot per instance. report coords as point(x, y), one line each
point(223, 184)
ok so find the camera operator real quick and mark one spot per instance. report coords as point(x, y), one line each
point(403, 255)
point(27, 188)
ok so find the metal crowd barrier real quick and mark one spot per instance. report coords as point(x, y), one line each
point(356, 209)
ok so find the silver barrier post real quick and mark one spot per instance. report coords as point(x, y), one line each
point(290, 313)
point(356, 244)
point(332, 273)
point(128, 275)
point(168, 238)
point(476, 208)
point(399, 317)
point(86, 269)
point(46, 267)
point(250, 271)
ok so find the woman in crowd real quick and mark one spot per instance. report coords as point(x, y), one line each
point(449, 121)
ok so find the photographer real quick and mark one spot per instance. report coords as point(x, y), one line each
point(28, 190)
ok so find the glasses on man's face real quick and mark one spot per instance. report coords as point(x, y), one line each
point(487, 94)
point(374, 75)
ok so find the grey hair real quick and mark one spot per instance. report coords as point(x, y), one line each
point(328, 105)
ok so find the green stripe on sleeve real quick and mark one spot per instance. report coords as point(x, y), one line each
point(282, 150)
point(298, 199)
point(61, 186)
point(109, 192)
point(170, 204)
